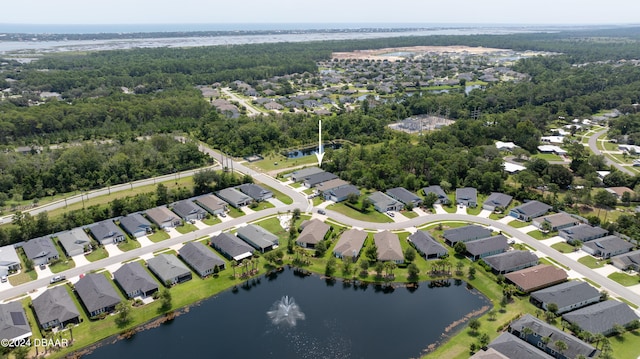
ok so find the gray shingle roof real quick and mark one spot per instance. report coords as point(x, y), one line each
point(403, 195)
point(609, 244)
point(380, 199)
point(55, 303)
point(320, 177)
point(134, 222)
point(199, 257)
point(211, 202)
point(467, 193)
point(133, 277)
point(511, 346)
point(498, 200)
point(186, 208)
point(566, 294)
point(582, 231)
point(466, 233)
point(232, 195)
point(437, 190)
point(40, 247)
point(167, 267)
point(96, 292)
point(75, 239)
point(105, 229)
point(13, 321)
point(426, 244)
point(305, 172)
point(505, 262)
point(601, 317)
point(532, 207)
point(344, 191)
point(575, 346)
point(257, 236)
point(486, 245)
point(231, 246)
point(254, 191)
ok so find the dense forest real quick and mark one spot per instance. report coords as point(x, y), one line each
point(590, 73)
point(93, 165)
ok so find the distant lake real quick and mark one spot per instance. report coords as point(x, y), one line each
point(340, 322)
point(309, 151)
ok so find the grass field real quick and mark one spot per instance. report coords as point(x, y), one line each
point(518, 224)
point(547, 157)
point(186, 228)
point(128, 245)
point(624, 279)
point(97, 254)
point(537, 234)
point(563, 247)
point(591, 262)
point(160, 235)
point(410, 214)
point(371, 216)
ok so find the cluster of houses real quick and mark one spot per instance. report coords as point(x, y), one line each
point(55, 307)
point(326, 184)
point(79, 241)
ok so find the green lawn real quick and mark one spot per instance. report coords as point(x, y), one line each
point(591, 262)
point(496, 216)
point(563, 247)
point(160, 235)
point(128, 245)
point(371, 216)
point(211, 220)
point(449, 208)
point(186, 228)
point(317, 200)
point(474, 211)
point(277, 194)
point(273, 225)
point(97, 254)
point(235, 212)
point(263, 205)
point(278, 162)
point(62, 265)
point(410, 214)
point(547, 157)
point(625, 279)
point(24, 275)
point(518, 224)
point(540, 235)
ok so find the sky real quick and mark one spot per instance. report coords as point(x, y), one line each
point(560, 12)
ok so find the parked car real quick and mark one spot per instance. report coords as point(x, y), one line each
point(321, 211)
point(57, 279)
point(3, 279)
point(390, 214)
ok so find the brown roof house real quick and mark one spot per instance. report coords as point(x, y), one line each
point(619, 191)
point(537, 277)
point(350, 244)
point(557, 221)
point(388, 245)
point(313, 232)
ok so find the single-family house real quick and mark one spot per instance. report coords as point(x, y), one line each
point(439, 192)
point(14, 325)
point(507, 345)
point(256, 192)
point(55, 308)
point(136, 225)
point(511, 261)
point(383, 203)
point(556, 221)
point(535, 331)
point(426, 245)
point(163, 217)
point(350, 244)
point(485, 247)
point(529, 210)
point(328, 185)
point(389, 248)
point(300, 175)
point(258, 237)
point(74, 242)
point(9, 260)
point(607, 247)
point(200, 258)
point(506, 146)
point(627, 261)
point(403, 195)
point(211, 203)
point(582, 232)
point(188, 211)
point(497, 202)
point(169, 269)
point(619, 191)
point(313, 232)
point(317, 178)
point(340, 194)
point(106, 232)
point(513, 168)
point(234, 197)
point(134, 280)
point(465, 234)
point(40, 250)
point(601, 318)
point(566, 296)
point(467, 196)
point(97, 294)
point(536, 277)
point(231, 246)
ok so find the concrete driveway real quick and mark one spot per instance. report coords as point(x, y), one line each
point(484, 213)
point(420, 211)
point(144, 241)
point(43, 272)
point(112, 249)
point(276, 202)
point(439, 209)
point(80, 260)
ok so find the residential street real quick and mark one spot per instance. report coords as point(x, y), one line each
point(300, 201)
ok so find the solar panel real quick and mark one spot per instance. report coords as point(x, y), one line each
point(18, 318)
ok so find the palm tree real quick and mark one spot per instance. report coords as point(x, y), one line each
point(561, 346)
point(234, 264)
point(527, 331)
point(70, 327)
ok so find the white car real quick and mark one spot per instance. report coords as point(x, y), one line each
point(57, 279)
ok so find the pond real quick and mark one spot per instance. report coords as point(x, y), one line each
point(310, 150)
point(330, 321)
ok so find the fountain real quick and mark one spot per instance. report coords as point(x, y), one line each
point(285, 311)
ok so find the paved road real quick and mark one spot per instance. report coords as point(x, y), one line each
point(593, 145)
point(300, 201)
point(250, 109)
